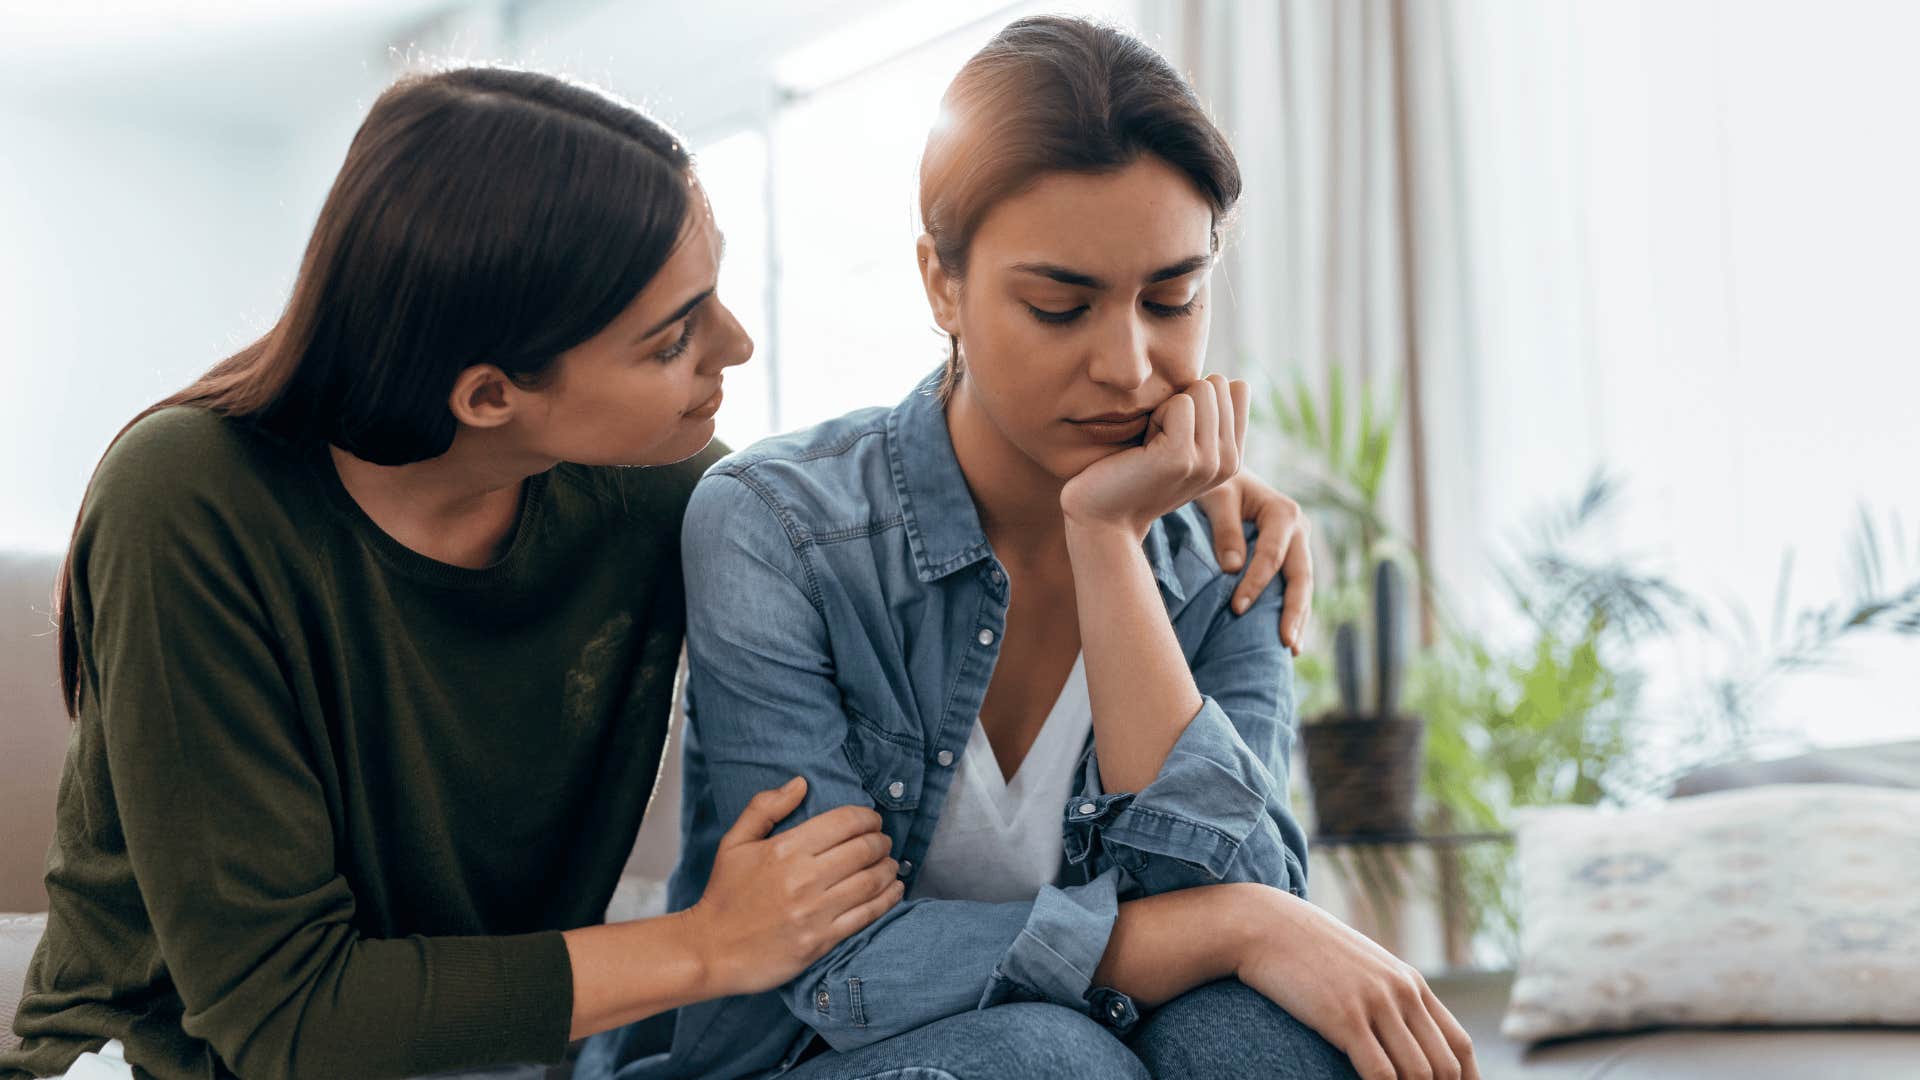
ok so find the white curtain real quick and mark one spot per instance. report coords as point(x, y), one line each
point(1675, 239)
point(1350, 246)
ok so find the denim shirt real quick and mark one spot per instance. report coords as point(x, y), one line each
point(846, 611)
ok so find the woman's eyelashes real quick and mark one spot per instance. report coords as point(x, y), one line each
point(1056, 318)
point(679, 348)
point(1165, 311)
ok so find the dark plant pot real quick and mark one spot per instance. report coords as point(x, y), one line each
point(1365, 773)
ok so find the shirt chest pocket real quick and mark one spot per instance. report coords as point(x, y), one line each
point(890, 765)
point(892, 770)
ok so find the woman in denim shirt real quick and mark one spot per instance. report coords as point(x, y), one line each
point(869, 596)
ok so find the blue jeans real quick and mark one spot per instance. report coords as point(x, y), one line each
point(1223, 1029)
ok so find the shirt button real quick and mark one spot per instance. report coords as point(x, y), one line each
point(996, 576)
point(823, 999)
point(1116, 1010)
point(1087, 808)
point(906, 867)
point(944, 757)
point(985, 637)
point(896, 789)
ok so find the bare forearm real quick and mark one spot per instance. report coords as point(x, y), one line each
point(1141, 689)
point(628, 971)
point(1165, 945)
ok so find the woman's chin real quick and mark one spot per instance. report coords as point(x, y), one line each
point(692, 437)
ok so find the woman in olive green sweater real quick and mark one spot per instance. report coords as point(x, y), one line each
point(370, 635)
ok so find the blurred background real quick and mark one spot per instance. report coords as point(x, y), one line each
point(1594, 318)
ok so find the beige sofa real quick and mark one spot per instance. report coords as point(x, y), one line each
point(33, 736)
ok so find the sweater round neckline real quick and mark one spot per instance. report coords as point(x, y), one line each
point(424, 567)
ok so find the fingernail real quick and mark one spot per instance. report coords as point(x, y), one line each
point(1240, 606)
point(1232, 561)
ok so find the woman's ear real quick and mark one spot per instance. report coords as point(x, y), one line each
point(943, 290)
point(480, 397)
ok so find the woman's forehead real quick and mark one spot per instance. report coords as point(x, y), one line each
point(1141, 218)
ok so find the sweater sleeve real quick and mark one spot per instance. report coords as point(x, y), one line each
point(227, 826)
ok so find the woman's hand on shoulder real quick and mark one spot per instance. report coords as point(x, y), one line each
point(1282, 546)
point(1374, 1007)
point(1194, 441)
point(775, 904)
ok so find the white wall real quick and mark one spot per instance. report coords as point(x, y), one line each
point(156, 191)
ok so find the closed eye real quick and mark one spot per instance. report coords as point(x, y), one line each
point(679, 348)
point(1173, 311)
point(1057, 318)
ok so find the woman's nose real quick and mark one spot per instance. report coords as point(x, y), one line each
point(739, 346)
point(1120, 356)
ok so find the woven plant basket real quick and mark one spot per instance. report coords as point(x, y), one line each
point(1365, 773)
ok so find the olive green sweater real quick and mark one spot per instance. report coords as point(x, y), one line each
point(329, 802)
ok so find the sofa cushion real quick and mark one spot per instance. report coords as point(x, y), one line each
point(18, 936)
point(1479, 1000)
point(33, 727)
point(1882, 765)
point(1786, 904)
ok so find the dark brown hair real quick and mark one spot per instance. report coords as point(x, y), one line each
point(1059, 94)
point(482, 215)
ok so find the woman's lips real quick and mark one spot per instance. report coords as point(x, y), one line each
point(706, 409)
point(1106, 430)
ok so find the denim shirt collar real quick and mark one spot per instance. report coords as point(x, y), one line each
point(943, 527)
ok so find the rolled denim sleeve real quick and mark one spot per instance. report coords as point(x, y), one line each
point(1219, 809)
point(763, 706)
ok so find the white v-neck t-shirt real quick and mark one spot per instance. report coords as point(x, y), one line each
point(999, 839)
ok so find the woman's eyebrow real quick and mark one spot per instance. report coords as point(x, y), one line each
point(1065, 276)
point(678, 314)
point(1180, 269)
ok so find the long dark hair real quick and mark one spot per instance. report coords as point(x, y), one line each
point(482, 215)
point(1050, 94)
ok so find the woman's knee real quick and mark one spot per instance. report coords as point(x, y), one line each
point(1019, 1041)
point(1054, 1040)
point(1227, 1028)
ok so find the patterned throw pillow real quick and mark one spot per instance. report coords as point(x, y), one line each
point(1790, 904)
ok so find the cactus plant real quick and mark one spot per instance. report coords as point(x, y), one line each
point(1346, 666)
point(1389, 648)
